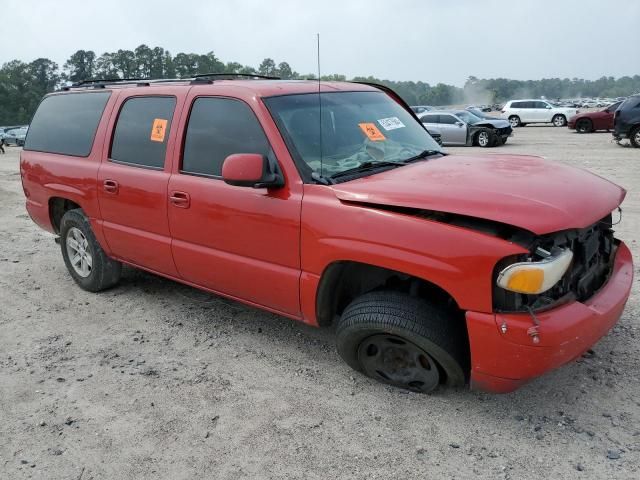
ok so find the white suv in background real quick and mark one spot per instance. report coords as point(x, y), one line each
point(521, 112)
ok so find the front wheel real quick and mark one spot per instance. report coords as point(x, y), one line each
point(87, 263)
point(559, 121)
point(403, 341)
point(634, 137)
point(584, 125)
point(485, 139)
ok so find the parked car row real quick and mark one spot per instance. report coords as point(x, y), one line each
point(14, 135)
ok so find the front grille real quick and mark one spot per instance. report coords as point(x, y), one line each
point(593, 255)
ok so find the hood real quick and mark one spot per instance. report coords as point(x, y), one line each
point(526, 192)
point(494, 122)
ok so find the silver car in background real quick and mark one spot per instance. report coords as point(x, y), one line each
point(16, 136)
point(463, 128)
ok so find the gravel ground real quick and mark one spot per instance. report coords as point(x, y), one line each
point(157, 380)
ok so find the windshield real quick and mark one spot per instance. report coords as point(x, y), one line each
point(358, 128)
point(468, 117)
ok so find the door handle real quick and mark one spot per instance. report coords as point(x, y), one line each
point(110, 186)
point(180, 199)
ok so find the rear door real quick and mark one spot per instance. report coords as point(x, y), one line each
point(238, 241)
point(133, 179)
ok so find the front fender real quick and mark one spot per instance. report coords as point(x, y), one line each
point(458, 260)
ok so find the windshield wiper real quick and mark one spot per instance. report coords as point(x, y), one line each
point(423, 154)
point(365, 167)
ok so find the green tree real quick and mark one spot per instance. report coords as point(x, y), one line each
point(268, 67)
point(80, 66)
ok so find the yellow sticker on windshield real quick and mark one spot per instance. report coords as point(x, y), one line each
point(159, 129)
point(372, 132)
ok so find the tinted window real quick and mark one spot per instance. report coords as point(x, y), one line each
point(517, 104)
point(219, 127)
point(142, 131)
point(67, 124)
point(540, 104)
point(429, 119)
point(448, 119)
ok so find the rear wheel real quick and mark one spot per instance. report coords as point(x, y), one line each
point(584, 125)
point(514, 120)
point(404, 341)
point(87, 263)
point(634, 137)
point(559, 120)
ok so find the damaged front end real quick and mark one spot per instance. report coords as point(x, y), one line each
point(593, 252)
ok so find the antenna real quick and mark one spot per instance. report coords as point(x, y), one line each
point(320, 107)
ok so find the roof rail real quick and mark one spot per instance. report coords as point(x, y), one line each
point(208, 77)
point(145, 82)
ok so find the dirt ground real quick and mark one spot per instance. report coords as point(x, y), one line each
point(157, 380)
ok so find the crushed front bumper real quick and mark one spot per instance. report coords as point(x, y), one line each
point(506, 351)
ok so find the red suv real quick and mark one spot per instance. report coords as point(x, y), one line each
point(332, 205)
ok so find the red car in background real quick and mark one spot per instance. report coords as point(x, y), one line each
point(588, 122)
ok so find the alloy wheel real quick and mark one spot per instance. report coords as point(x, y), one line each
point(79, 252)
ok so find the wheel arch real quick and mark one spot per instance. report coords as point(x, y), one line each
point(58, 206)
point(343, 280)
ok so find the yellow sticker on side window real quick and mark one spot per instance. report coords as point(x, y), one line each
point(372, 132)
point(159, 129)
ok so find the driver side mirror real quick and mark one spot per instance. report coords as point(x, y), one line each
point(251, 170)
point(460, 124)
point(548, 107)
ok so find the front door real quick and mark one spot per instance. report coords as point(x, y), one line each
point(132, 183)
point(239, 241)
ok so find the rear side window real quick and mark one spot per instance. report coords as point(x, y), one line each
point(517, 104)
point(66, 124)
point(219, 127)
point(142, 130)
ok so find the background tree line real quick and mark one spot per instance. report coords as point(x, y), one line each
point(22, 85)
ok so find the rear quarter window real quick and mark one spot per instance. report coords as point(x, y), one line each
point(66, 124)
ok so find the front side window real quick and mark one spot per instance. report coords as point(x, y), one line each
point(357, 129)
point(448, 119)
point(468, 117)
point(66, 124)
point(142, 131)
point(219, 127)
point(430, 119)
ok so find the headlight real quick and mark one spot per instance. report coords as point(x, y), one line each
point(535, 277)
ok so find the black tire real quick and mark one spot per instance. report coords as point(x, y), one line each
point(514, 120)
point(584, 125)
point(415, 323)
point(504, 140)
point(485, 139)
point(559, 120)
point(104, 271)
point(634, 137)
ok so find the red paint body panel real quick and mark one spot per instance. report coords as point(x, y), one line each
point(601, 120)
point(502, 362)
point(528, 192)
point(270, 247)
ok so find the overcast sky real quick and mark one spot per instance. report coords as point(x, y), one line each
point(429, 40)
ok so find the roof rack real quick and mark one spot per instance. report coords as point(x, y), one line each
point(208, 77)
point(145, 82)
